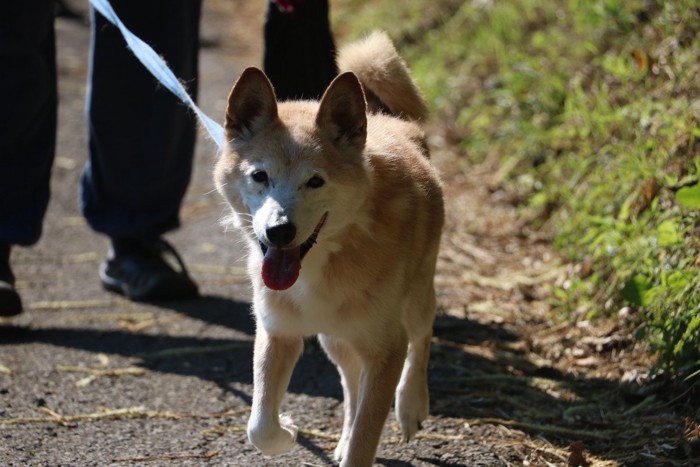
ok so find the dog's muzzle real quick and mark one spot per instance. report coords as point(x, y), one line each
point(281, 266)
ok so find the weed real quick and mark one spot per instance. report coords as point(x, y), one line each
point(593, 108)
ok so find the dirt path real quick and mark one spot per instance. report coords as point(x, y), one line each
point(87, 378)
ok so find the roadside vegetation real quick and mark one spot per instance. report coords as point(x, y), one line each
point(590, 110)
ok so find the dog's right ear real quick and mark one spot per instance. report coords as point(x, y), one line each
point(251, 105)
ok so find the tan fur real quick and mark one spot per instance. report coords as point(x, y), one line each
point(383, 73)
point(366, 287)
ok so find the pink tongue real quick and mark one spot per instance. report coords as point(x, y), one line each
point(281, 266)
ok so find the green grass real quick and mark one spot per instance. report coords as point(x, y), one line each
point(592, 110)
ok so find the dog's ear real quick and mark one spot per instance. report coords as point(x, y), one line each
point(251, 105)
point(342, 115)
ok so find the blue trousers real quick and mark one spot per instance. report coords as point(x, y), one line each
point(141, 138)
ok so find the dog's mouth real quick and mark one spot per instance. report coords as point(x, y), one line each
point(281, 266)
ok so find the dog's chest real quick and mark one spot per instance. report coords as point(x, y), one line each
point(307, 311)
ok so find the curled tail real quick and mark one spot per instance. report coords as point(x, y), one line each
point(384, 76)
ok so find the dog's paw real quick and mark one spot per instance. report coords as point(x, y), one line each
point(411, 410)
point(273, 439)
point(340, 449)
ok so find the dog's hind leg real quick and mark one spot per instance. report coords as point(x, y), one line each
point(412, 398)
point(273, 361)
point(380, 373)
point(349, 367)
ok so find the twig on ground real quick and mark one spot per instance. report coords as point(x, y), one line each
point(571, 433)
point(184, 351)
point(167, 457)
point(95, 373)
point(51, 305)
point(116, 414)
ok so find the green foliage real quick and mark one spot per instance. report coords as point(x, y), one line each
point(689, 196)
point(592, 109)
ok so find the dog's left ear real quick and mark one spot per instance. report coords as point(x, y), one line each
point(342, 115)
point(251, 105)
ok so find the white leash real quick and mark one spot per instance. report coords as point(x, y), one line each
point(158, 68)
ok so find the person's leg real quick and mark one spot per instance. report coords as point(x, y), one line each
point(141, 137)
point(141, 144)
point(299, 48)
point(27, 131)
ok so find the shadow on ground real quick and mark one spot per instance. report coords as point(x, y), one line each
point(480, 373)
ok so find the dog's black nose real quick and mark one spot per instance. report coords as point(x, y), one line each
point(281, 235)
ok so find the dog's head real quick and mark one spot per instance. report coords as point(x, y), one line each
point(293, 173)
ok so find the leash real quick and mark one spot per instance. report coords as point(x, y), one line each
point(159, 69)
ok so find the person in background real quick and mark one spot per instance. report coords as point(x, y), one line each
point(141, 138)
point(141, 141)
point(299, 48)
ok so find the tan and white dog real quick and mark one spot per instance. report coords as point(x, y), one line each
point(343, 212)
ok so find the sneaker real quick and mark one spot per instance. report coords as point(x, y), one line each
point(138, 270)
point(10, 303)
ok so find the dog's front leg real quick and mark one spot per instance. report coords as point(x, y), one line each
point(273, 361)
point(381, 369)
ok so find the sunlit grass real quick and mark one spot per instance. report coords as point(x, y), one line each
point(593, 108)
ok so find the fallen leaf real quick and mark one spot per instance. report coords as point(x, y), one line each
point(644, 61)
point(588, 362)
point(576, 457)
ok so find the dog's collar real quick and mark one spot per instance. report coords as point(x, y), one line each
point(309, 242)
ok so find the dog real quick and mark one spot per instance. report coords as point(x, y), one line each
point(342, 212)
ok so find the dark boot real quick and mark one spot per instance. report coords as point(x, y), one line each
point(10, 302)
point(137, 269)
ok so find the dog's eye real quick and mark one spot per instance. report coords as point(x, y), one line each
point(315, 182)
point(259, 176)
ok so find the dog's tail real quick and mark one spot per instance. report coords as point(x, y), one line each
point(384, 76)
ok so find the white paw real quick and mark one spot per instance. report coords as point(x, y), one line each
point(273, 439)
point(340, 449)
point(411, 410)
